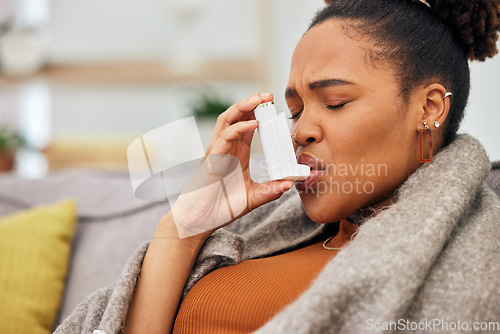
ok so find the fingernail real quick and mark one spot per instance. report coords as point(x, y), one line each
point(263, 95)
point(286, 186)
point(252, 121)
point(255, 97)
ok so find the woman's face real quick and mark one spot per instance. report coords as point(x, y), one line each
point(348, 116)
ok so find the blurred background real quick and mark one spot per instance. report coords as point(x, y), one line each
point(80, 80)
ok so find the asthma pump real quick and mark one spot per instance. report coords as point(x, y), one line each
point(277, 145)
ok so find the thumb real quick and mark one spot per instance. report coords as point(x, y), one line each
point(270, 191)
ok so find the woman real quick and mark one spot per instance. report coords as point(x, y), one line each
point(380, 239)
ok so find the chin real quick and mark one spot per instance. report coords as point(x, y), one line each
point(320, 208)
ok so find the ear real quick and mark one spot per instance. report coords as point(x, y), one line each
point(436, 106)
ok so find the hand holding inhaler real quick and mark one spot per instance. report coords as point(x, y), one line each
point(221, 189)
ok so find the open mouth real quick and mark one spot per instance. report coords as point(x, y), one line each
point(317, 170)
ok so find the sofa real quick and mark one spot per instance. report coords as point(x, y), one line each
point(110, 223)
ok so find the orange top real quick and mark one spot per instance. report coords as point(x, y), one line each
point(243, 297)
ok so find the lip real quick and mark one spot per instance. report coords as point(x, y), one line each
point(309, 160)
point(317, 170)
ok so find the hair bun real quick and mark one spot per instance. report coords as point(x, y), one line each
point(475, 24)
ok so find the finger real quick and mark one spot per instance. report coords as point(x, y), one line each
point(269, 191)
point(241, 110)
point(247, 137)
point(251, 116)
point(235, 132)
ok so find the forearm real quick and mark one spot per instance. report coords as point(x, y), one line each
point(166, 267)
point(169, 260)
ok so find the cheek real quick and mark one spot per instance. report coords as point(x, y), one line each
point(367, 136)
point(372, 150)
point(368, 159)
point(374, 129)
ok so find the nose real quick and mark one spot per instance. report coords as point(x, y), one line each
point(306, 130)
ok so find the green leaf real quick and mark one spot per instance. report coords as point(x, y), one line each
point(10, 141)
point(210, 106)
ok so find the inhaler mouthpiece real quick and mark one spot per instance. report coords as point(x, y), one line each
point(277, 145)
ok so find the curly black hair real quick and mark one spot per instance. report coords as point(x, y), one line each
point(424, 44)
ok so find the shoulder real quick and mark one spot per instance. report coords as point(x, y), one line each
point(468, 267)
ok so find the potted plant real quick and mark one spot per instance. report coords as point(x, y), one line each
point(10, 142)
point(209, 106)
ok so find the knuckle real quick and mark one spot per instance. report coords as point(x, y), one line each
point(226, 136)
point(220, 117)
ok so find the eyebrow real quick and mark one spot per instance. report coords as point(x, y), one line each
point(290, 92)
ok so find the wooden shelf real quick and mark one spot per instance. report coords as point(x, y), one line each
point(93, 154)
point(140, 73)
point(99, 153)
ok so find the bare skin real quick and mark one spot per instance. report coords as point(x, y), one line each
point(348, 114)
point(169, 259)
point(369, 124)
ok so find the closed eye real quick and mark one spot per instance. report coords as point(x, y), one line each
point(331, 107)
point(335, 107)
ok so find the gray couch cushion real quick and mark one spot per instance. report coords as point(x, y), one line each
point(112, 223)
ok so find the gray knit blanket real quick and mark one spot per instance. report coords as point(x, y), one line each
point(428, 263)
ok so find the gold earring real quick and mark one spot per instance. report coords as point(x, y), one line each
point(423, 131)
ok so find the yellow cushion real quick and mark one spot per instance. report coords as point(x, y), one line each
point(35, 247)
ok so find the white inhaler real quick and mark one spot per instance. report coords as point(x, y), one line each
point(277, 145)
